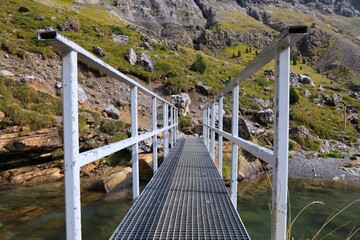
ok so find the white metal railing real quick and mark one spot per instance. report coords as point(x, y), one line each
point(73, 160)
point(279, 50)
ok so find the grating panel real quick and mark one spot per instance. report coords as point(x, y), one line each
point(186, 199)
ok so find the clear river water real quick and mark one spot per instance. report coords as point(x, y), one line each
point(38, 212)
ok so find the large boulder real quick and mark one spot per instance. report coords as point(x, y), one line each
point(131, 56)
point(244, 131)
point(6, 73)
point(332, 100)
point(182, 102)
point(123, 39)
point(304, 79)
point(203, 89)
point(118, 178)
point(265, 116)
point(112, 111)
point(147, 62)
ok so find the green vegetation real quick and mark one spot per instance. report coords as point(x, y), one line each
point(25, 107)
point(199, 64)
point(111, 126)
point(294, 96)
point(185, 123)
point(331, 154)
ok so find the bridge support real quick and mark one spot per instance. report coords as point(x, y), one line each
point(71, 145)
point(212, 141)
point(166, 133)
point(154, 139)
point(220, 137)
point(135, 147)
point(281, 136)
point(235, 147)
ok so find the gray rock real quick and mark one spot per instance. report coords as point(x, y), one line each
point(353, 118)
point(131, 56)
point(147, 62)
point(53, 19)
point(121, 103)
point(265, 116)
point(320, 88)
point(203, 89)
point(40, 18)
point(244, 131)
point(82, 98)
point(305, 80)
point(27, 78)
point(69, 26)
point(123, 39)
point(302, 131)
point(147, 45)
point(307, 94)
point(332, 100)
point(198, 129)
point(112, 112)
point(6, 73)
point(182, 102)
point(23, 9)
point(261, 102)
point(99, 51)
point(145, 146)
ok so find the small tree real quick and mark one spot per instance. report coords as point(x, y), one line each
point(239, 53)
point(198, 65)
point(294, 96)
point(233, 55)
point(247, 50)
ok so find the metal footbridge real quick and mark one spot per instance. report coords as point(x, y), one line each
point(186, 198)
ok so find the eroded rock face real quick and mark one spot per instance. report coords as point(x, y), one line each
point(244, 131)
point(182, 102)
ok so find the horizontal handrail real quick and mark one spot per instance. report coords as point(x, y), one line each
point(287, 37)
point(100, 152)
point(263, 153)
point(60, 42)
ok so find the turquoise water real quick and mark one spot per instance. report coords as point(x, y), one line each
point(38, 212)
point(255, 199)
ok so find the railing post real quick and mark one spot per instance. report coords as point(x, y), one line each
point(71, 145)
point(281, 137)
point(235, 148)
point(220, 137)
point(154, 140)
point(212, 142)
point(166, 133)
point(208, 129)
point(172, 128)
point(135, 147)
point(176, 122)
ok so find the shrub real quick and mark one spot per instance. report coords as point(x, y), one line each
point(119, 158)
point(198, 65)
point(294, 96)
point(111, 126)
point(118, 137)
point(185, 123)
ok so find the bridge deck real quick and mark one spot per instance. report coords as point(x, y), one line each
point(186, 199)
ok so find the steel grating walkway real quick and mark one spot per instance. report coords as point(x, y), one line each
point(186, 199)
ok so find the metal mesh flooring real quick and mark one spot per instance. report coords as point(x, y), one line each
point(186, 199)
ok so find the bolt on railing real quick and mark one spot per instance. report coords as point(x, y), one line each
point(279, 50)
point(73, 160)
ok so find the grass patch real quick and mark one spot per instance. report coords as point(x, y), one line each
point(332, 154)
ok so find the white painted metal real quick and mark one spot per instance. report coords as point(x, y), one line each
point(204, 124)
point(97, 153)
point(71, 145)
point(208, 129)
point(212, 141)
point(135, 147)
point(256, 150)
point(171, 130)
point(235, 147)
point(220, 137)
point(60, 42)
point(154, 138)
point(166, 133)
point(281, 143)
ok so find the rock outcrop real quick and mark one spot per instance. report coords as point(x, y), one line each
point(182, 102)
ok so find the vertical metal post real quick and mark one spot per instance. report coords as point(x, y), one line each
point(208, 129)
point(204, 122)
point(171, 129)
point(176, 122)
point(281, 137)
point(166, 133)
point(71, 145)
point(135, 147)
point(154, 140)
point(220, 138)
point(212, 142)
point(235, 148)
point(205, 127)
